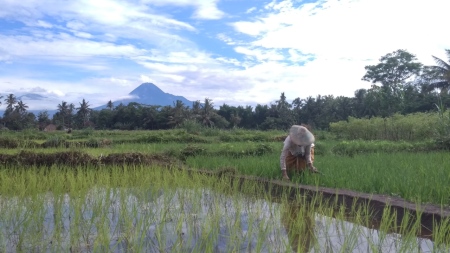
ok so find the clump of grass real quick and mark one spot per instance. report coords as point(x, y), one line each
point(8, 142)
point(54, 142)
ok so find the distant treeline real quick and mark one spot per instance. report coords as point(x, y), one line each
point(401, 86)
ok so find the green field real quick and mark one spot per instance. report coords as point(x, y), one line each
point(410, 170)
point(54, 190)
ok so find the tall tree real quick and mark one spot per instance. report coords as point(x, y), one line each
point(43, 119)
point(438, 76)
point(70, 114)
point(207, 113)
point(62, 112)
point(395, 70)
point(10, 100)
point(21, 107)
point(196, 109)
point(110, 105)
point(284, 113)
point(83, 112)
point(179, 113)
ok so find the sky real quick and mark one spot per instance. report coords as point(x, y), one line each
point(237, 52)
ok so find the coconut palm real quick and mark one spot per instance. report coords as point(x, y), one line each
point(207, 113)
point(21, 107)
point(10, 100)
point(63, 110)
point(71, 109)
point(178, 113)
point(83, 111)
point(438, 75)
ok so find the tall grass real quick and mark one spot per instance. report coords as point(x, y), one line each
point(411, 127)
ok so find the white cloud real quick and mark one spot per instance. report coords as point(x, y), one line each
point(302, 49)
point(250, 10)
point(83, 35)
point(223, 37)
point(335, 40)
point(204, 9)
point(44, 24)
point(63, 46)
point(260, 55)
point(349, 29)
point(250, 28)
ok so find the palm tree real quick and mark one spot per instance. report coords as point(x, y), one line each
point(21, 107)
point(438, 75)
point(63, 110)
point(84, 111)
point(10, 100)
point(196, 107)
point(0, 100)
point(178, 113)
point(70, 110)
point(207, 113)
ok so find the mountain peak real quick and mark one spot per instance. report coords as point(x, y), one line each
point(150, 94)
point(146, 88)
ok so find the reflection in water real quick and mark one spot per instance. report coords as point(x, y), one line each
point(182, 220)
point(309, 231)
point(299, 224)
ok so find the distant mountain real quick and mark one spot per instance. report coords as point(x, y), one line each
point(35, 101)
point(149, 94)
point(146, 93)
point(31, 96)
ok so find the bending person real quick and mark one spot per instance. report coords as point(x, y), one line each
point(298, 151)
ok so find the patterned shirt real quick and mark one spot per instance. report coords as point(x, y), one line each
point(295, 150)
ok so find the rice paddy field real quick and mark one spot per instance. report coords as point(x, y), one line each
point(137, 191)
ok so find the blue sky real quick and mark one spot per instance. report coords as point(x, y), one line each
point(238, 52)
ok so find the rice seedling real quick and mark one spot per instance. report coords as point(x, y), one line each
point(155, 209)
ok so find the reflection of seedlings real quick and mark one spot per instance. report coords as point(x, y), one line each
point(96, 210)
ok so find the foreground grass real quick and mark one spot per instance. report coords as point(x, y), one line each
point(151, 209)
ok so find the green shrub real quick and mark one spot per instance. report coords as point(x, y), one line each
point(92, 143)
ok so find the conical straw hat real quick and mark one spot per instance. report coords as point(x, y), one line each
point(300, 135)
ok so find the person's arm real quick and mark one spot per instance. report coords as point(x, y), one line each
point(308, 154)
point(309, 161)
point(284, 153)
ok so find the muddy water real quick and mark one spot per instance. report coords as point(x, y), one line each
point(181, 220)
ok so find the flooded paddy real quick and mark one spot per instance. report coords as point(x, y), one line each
point(184, 219)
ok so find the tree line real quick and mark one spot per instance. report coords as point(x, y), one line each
point(400, 84)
